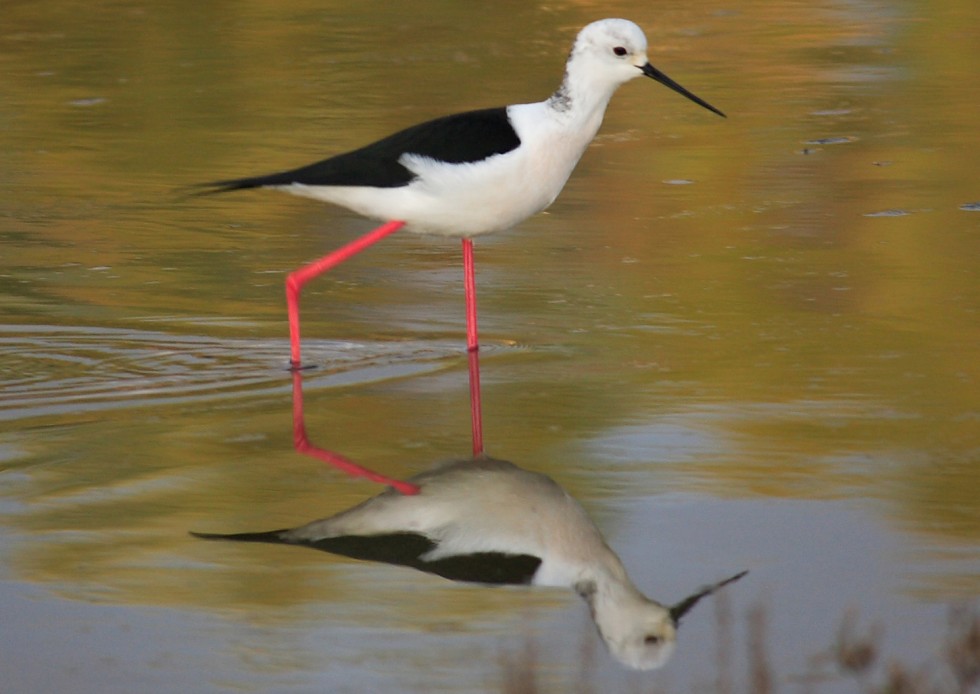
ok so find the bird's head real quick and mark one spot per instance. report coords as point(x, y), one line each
point(639, 632)
point(614, 51)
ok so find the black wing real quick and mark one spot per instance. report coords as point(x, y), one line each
point(406, 549)
point(457, 139)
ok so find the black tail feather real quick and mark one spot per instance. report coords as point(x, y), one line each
point(273, 536)
point(196, 190)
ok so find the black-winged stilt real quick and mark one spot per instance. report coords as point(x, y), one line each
point(489, 521)
point(470, 173)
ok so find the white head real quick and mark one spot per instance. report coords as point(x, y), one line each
point(640, 633)
point(609, 53)
point(616, 47)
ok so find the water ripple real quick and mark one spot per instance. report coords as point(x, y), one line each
point(55, 370)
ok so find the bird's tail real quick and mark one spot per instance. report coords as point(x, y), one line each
point(195, 190)
point(273, 536)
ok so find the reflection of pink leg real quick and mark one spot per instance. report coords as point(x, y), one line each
point(476, 413)
point(304, 446)
point(296, 279)
point(473, 347)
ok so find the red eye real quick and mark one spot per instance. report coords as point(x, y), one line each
point(620, 51)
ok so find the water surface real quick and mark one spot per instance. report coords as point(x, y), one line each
point(743, 344)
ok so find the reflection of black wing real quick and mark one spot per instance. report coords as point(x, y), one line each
point(406, 549)
point(461, 138)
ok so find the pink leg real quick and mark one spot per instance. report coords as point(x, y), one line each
point(473, 347)
point(469, 285)
point(345, 465)
point(296, 279)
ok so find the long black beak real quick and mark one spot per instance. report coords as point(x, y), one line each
point(653, 73)
point(683, 607)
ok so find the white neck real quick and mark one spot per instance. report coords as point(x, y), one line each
point(583, 94)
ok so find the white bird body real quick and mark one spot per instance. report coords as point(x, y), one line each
point(468, 199)
point(481, 171)
point(489, 521)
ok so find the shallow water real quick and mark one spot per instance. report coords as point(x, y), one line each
point(742, 343)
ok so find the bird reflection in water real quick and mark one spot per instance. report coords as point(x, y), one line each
point(488, 521)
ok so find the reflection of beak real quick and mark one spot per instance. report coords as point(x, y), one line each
point(680, 609)
point(653, 73)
